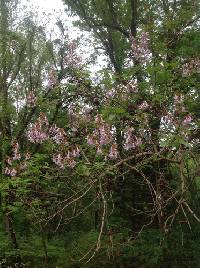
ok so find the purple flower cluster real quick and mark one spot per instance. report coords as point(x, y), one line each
point(191, 67)
point(102, 135)
point(10, 169)
point(167, 119)
point(131, 141)
point(143, 106)
point(113, 154)
point(62, 160)
point(27, 156)
point(187, 120)
point(16, 152)
point(58, 159)
point(57, 134)
point(179, 103)
point(31, 99)
point(71, 58)
point(140, 48)
point(38, 132)
point(111, 93)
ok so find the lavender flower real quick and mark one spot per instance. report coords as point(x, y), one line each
point(71, 163)
point(15, 149)
point(9, 161)
point(140, 47)
point(131, 141)
point(187, 120)
point(10, 171)
point(27, 156)
point(113, 151)
point(144, 105)
point(58, 159)
point(193, 66)
point(31, 99)
point(90, 140)
point(38, 132)
point(58, 134)
point(99, 150)
point(76, 152)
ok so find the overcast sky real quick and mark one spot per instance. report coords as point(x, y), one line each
point(49, 11)
point(47, 5)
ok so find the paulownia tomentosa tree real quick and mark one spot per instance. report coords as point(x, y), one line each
point(170, 78)
point(125, 148)
point(30, 65)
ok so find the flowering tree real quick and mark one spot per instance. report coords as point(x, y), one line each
point(125, 147)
